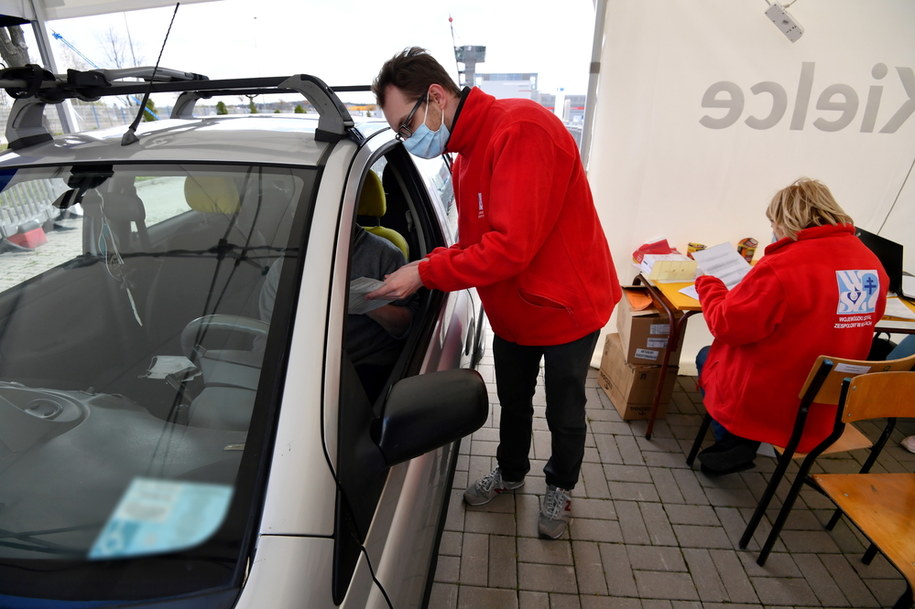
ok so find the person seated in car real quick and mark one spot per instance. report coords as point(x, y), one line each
point(372, 340)
point(818, 290)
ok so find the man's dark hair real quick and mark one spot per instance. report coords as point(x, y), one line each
point(412, 71)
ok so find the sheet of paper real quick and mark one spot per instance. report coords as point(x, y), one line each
point(163, 366)
point(690, 291)
point(724, 262)
point(895, 308)
point(358, 288)
point(908, 285)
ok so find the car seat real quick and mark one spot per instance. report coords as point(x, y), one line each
point(372, 207)
point(209, 266)
point(211, 194)
point(252, 213)
point(218, 203)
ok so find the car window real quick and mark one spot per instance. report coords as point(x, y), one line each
point(438, 176)
point(131, 352)
point(444, 187)
point(365, 374)
point(25, 207)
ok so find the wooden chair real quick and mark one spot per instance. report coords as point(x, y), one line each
point(822, 388)
point(882, 506)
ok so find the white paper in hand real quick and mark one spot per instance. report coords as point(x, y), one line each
point(163, 366)
point(358, 288)
point(724, 262)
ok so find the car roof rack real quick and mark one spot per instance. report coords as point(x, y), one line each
point(34, 87)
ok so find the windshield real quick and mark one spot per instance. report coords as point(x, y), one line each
point(132, 341)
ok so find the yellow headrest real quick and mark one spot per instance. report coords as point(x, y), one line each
point(211, 194)
point(371, 199)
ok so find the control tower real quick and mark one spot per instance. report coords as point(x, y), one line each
point(469, 56)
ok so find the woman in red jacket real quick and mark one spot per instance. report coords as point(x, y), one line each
point(817, 291)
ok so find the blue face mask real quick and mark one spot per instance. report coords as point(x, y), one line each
point(426, 143)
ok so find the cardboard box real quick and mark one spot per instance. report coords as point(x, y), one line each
point(632, 388)
point(644, 332)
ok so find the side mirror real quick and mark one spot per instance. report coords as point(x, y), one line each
point(428, 411)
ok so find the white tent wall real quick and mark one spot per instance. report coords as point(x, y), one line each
point(703, 109)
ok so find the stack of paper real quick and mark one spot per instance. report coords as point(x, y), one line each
point(668, 267)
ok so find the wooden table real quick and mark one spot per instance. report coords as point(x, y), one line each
point(897, 325)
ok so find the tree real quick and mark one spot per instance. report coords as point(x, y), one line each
point(13, 48)
point(221, 108)
point(120, 54)
point(299, 109)
point(150, 113)
point(252, 107)
point(116, 52)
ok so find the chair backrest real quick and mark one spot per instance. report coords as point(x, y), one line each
point(880, 395)
point(829, 382)
point(824, 381)
point(824, 385)
point(373, 204)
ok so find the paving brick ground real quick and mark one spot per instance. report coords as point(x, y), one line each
point(649, 532)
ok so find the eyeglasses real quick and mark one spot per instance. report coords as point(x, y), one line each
point(404, 131)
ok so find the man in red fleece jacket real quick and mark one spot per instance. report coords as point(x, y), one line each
point(530, 242)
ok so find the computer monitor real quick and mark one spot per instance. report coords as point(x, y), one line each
point(889, 253)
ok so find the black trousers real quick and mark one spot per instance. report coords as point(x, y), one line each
point(565, 369)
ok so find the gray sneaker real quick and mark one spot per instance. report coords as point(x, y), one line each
point(488, 487)
point(555, 512)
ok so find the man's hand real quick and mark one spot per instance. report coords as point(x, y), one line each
point(400, 284)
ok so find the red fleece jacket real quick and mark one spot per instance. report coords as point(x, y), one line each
point(819, 295)
point(530, 239)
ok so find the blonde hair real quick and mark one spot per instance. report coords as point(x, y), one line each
point(803, 204)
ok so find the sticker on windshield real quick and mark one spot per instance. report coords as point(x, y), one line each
point(155, 516)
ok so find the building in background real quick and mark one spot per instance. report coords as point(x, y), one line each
point(470, 56)
point(572, 111)
point(503, 86)
point(506, 85)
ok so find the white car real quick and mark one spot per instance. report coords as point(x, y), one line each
point(163, 441)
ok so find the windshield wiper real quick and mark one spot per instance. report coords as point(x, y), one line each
point(30, 540)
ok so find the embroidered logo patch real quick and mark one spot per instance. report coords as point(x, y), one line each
point(858, 291)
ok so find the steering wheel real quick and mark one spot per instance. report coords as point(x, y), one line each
point(230, 376)
point(196, 329)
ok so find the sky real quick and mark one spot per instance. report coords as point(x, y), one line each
point(344, 41)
